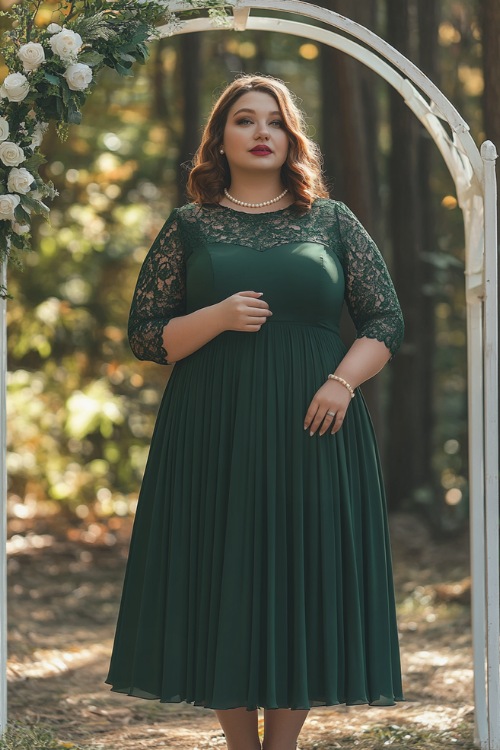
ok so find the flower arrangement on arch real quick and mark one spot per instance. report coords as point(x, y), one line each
point(52, 70)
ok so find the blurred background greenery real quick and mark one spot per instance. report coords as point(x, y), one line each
point(81, 409)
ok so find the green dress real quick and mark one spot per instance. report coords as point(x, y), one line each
point(259, 571)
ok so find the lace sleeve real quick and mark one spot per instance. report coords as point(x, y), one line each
point(369, 294)
point(159, 293)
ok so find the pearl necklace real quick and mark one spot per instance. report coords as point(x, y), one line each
point(255, 205)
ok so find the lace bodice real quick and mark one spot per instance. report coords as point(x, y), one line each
point(160, 292)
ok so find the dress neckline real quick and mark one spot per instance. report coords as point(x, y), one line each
point(257, 213)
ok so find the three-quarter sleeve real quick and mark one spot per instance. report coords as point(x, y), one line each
point(159, 294)
point(369, 292)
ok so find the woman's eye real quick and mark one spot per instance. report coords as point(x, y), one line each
point(245, 119)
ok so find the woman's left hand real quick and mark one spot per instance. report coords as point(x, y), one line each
point(332, 396)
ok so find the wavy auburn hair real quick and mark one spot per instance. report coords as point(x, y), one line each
point(302, 171)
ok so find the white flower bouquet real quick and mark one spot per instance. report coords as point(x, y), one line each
point(51, 71)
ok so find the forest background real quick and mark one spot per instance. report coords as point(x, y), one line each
point(81, 409)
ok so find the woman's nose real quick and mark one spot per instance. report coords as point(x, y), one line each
point(263, 129)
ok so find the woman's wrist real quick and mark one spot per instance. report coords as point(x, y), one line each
point(216, 315)
point(343, 381)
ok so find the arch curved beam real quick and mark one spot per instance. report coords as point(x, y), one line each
point(419, 106)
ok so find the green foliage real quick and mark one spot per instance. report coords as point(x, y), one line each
point(110, 36)
point(396, 736)
point(19, 736)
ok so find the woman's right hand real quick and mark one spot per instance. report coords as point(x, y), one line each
point(243, 311)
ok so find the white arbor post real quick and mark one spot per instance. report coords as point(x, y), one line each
point(489, 155)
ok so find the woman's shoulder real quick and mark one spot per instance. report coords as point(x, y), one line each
point(329, 211)
point(331, 205)
point(342, 216)
point(188, 209)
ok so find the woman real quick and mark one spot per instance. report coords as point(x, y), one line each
point(259, 572)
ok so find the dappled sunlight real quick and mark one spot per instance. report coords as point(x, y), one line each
point(51, 662)
point(472, 79)
point(20, 543)
point(442, 718)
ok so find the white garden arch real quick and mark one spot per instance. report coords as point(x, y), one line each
point(473, 172)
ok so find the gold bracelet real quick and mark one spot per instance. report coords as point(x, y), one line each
point(344, 383)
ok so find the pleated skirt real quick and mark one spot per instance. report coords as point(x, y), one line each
point(259, 572)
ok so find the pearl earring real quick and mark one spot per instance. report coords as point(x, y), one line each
point(221, 150)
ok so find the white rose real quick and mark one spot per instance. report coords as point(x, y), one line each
point(19, 180)
point(10, 154)
point(78, 76)
point(53, 28)
point(66, 44)
point(20, 228)
point(4, 129)
point(32, 55)
point(8, 204)
point(15, 87)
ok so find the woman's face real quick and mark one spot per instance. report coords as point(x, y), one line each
point(259, 124)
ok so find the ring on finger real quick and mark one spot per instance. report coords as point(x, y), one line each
point(331, 413)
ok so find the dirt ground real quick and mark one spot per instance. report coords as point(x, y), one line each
point(65, 585)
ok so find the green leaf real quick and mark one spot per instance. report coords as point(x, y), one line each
point(16, 239)
point(80, 96)
point(52, 79)
point(34, 161)
point(50, 110)
point(36, 206)
point(66, 93)
point(106, 34)
point(91, 58)
point(21, 215)
point(141, 34)
point(123, 71)
point(74, 117)
point(143, 51)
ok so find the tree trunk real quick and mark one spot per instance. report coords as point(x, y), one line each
point(349, 142)
point(345, 126)
point(428, 25)
point(408, 432)
point(189, 94)
point(159, 100)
